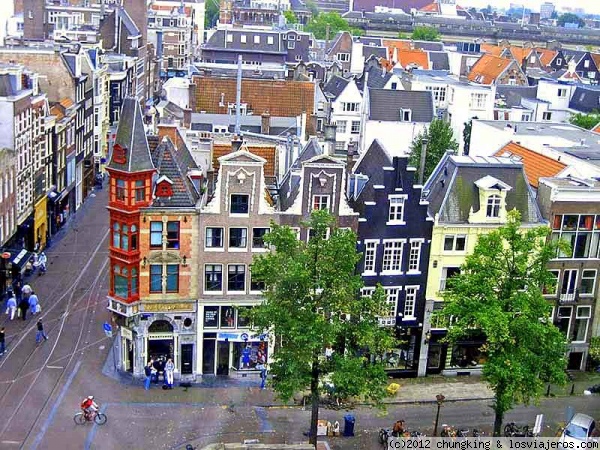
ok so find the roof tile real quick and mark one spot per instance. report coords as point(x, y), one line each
point(488, 68)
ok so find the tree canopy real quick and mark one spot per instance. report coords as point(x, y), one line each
point(212, 14)
point(290, 17)
point(439, 139)
point(318, 25)
point(499, 293)
point(570, 18)
point(425, 33)
point(587, 121)
point(312, 302)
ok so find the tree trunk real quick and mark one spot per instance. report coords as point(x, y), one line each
point(315, 397)
point(498, 422)
point(499, 409)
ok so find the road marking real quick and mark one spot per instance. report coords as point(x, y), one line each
point(92, 433)
point(264, 426)
point(54, 367)
point(54, 409)
point(11, 442)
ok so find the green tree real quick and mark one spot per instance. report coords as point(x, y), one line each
point(312, 7)
point(594, 351)
point(425, 34)
point(467, 135)
point(211, 14)
point(290, 17)
point(499, 293)
point(587, 121)
point(403, 35)
point(312, 301)
point(318, 25)
point(570, 18)
point(439, 138)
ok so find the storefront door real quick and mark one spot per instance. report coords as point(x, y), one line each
point(208, 356)
point(187, 357)
point(222, 358)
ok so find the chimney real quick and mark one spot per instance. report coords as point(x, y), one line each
point(350, 157)
point(265, 123)
point(167, 130)
point(236, 143)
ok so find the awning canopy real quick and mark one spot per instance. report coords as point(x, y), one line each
point(18, 257)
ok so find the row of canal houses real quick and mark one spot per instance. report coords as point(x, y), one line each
point(182, 245)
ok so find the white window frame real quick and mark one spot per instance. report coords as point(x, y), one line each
point(341, 126)
point(370, 257)
point(344, 57)
point(243, 38)
point(395, 252)
point(223, 280)
point(552, 294)
point(586, 64)
point(236, 249)
point(257, 39)
point(355, 127)
point(410, 304)
point(415, 246)
point(571, 276)
point(570, 317)
point(270, 40)
point(296, 231)
point(444, 276)
point(393, 208)
point(246, 287)
point(214, 249)
point(319, 198)
point(547, 116)
point(455, 238)
point(495, 201)
point(591, 294)
point(478, 100)
point(391, 299)
point(562, 92)
point(587, 320)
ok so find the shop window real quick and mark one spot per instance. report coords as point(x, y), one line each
point(258, 235)
point(227, 317)
point(214, 237)
point(156, 229)
point(213, 277)
point(249, 355)
point(467, 354)
point(239, 204)
point(140, 191)
point(172, 278)
point(211, 317)
point(173, 235)
point(155, 278)
point(236, 277)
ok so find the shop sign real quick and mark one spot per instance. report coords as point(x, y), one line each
point(241, 337)
point(127, 333)
point(167, 307)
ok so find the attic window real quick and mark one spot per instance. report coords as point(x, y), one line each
point(119, 156)
point(405, 115)
point(164, 189)
point(493, 206)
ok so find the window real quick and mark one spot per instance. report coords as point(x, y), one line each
point(258, 235)
point(532, 59)
point(559, 61)
point(134, 281)
point(370, 256)
point(586, 64)
point(405, 115)
point(243, 38)
point(236, 280)
point(525, 117)
point(270, 40)
point(239, 204)
point(214, 237)
point(552, 288)
point(341, 126)
point(447, 273)
point(256, 286)
point(455, 242)
point(291, 45)
point(414, 256)
point(478, 101)
point(343, 57)
point(547, 116)
point(355, 127)
point(569, 284)
point(238, 237)
point(588, 281)
point(120, 190)
point(173, 235)
point(257, 39)
point(394, 86)
point(388, 318)
point(582, 233)
point(563, 319)
point(156, 229)
point(156, 278)
point(351, 107)
point(120, 282)
point(140, 191)
point(493, 206)
point(591, 74)
point(410, 300)
point(396, 210)
point(321, 202)
point(392, 257)
point(562, 93)
point(582, 320)
point(172, 278)
point(213, 277)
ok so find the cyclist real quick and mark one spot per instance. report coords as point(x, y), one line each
point(89, 407)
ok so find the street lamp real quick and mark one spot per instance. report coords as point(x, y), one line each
point(440, 401)
point(3, 258)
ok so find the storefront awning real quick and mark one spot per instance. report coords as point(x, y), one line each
point(18, 257)
point(241, 337)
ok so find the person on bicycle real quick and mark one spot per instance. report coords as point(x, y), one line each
point(89, 406)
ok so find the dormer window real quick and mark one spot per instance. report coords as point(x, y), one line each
point(164, 188)
point(493, 206)
point(119, 155)
point(405, 115)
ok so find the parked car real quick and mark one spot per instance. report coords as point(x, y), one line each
point(580, 428)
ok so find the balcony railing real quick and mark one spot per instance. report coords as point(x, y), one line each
point(569, 296)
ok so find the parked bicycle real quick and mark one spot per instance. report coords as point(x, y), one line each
point(511, 429)
point(97, 417)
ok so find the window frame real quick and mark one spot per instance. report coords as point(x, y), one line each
point(414, 290)
point(213, 273)
point(211, 247)
point(392, 256)
point(154, 271)
point(392, 294)
point(229, 281)
point(394, 207)
point(579, 317)
point(263, 246)
point(455, 238)
point(139, 195)
point(154, 232)
point(243, 238)
point(171, 270)
point(583, 277)
point(414, 247)
point(355, 127)
point(370, 257)
point(552, 294)
point(173, 243)
point(231, 205)
point(492, 206)
point(120, 190)
point(317, 200)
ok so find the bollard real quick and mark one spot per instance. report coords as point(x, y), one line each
point(548, 391)
point(573, 389)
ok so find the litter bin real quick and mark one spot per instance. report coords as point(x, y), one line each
point(349, 421)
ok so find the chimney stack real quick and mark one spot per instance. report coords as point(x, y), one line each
point(236, 143)
point(350, 156)
point(265, 123)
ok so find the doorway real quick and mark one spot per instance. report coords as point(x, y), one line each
point(575, 359)
point(158, 348)
point(223, 358)
point(208, 356)
point(187, 356)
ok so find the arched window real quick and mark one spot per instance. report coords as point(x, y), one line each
point(493, 206)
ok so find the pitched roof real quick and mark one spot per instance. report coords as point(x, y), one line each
point(596, 58)
point(596, 129)
point(393, 44)
point(385, 105)
point(66, 102)
point(536, 165)
point(174, 163)
point(492, 49)
point(132, 137)
point(417, 58)
point(452, 192)
point(376, 76)
point(546, 55)
point(520, 53)
point(405, 5)
point(432, 8)
point(335, 86)
point(439, 61)
point(371, 163)
point(585, 100)
point(282, 98)
point(513, 95)
point(488, 68)
point(290, 184)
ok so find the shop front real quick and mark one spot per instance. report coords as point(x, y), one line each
point(40, 223)
point(229, 347)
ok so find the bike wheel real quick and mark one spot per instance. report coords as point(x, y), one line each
point(382, 437)
point(79, 419)
point(100, 418)
point(507, 430)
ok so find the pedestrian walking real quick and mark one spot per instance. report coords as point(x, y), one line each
point(42, 261)
point(33, 303)
point(2, 341)
point(263, 376)
point(40, 332)
point(23, 307)
point(26, 290)
point(148, 372)
point(169, 371)
point(17, 289)
point(11, 305)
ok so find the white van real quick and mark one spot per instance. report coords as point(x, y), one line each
point(580, 428)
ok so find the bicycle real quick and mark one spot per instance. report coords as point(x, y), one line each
point(513, 430)
point(97, 417)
